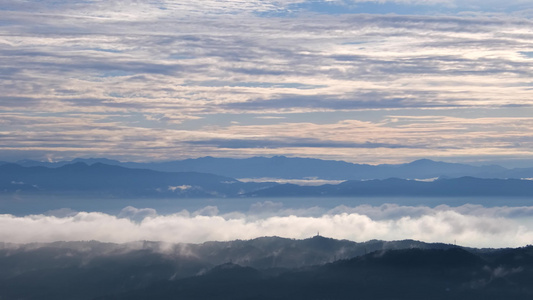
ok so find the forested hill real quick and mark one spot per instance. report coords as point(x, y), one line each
point(263, 268)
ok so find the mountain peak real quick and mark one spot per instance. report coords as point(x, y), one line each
point(92, 160)
point(423, 162)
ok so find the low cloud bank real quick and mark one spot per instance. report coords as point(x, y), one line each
point(303, 182)
point(468, 225)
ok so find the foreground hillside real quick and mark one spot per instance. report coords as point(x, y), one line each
point(263, 268)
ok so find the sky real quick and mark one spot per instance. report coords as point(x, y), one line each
point(386, 81)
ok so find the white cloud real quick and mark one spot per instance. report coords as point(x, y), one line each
point(179, 188)
point(303, 182)
point(469, 225)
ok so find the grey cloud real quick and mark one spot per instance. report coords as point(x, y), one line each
point(438, 23)
point(368, 100)
point(265, 207)
point(208, 211)
point(392, 211)
point(384, 212)
point(257, 71)
point(293, 142)
point(435, 64)
point(9, 72)
point(61, 213)
point(109, 65)
point(501, 212)
point(105, 102)
point(14, 101)
point(136, 214)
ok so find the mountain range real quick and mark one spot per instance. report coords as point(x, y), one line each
point(112, 181)
point(454, 187)
point(300, 168)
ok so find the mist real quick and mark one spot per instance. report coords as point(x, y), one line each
point(466, 225)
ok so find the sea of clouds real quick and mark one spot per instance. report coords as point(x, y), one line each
point(466, 225)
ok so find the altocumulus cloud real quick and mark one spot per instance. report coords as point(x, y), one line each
point(469, 225)
point(154, 80)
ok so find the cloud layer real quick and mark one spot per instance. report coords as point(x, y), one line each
point(173, 79)
point(467, 225)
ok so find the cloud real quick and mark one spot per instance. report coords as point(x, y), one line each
point(294, 142)
point(433, 135)
point(265, 207)
point(136, 214)
point(209, 211)
point(153, 81)
point(360, 100)
point(410, 7)
point(270, 117)
point(62, 212)
point(469, 225)
point(179, 188)
point(303, 182)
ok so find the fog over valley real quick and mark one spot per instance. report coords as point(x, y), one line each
point(468, 225)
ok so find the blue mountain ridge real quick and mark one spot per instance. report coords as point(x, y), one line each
point(115, 181)
point(300, 168)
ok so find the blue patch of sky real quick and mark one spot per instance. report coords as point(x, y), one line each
point(527, 53)
point(133, 119)
point(181, 57)
point(115, 73)
point(508, 8)
point(371, 7)
point(376, 116)
point(115, 95)
point(307, 117)
point(354, 43)
point(9, 22)
point(105, 50)
point(368, 8)
point(290, 85)
point(338, 8)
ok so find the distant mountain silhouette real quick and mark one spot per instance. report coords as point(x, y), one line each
point(464, 187)
point(115, 181)
point(80, 179)
point(298, 168)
